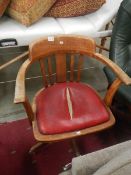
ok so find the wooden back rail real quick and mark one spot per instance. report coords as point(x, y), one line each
point(60, 47)
point(61, 69)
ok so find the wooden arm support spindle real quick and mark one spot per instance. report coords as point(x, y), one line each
point(122, 77)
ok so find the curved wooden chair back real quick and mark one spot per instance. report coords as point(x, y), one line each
point(58, 48)
point(46, 48)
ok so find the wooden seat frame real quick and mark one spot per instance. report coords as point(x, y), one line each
point(60, 45)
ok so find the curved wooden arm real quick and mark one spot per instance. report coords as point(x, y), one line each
point(111, 91)
point(115, 68)
point(20, 96)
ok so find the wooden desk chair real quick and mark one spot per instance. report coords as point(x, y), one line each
point(66, 109)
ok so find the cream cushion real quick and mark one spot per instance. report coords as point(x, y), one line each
point(88, 25)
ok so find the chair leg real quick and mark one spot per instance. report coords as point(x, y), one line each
point(34, 147)
point(67, 166)
point(75, 147)
point(76, 151)
point(37, 145)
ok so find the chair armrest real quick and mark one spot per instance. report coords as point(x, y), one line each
point(122, 77)
point(111, 91)
point(20, 95)
point(115, 68)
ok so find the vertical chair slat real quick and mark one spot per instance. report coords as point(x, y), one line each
point(80, 64)
point(43, 72)
point(50, 71)
point(60, 67)
point(72, 68)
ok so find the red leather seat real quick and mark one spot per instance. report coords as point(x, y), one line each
point(52, 110)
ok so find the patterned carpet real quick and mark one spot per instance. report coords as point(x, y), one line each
point(16, 138)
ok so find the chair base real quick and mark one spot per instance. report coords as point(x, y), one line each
point(75, 147)
point(36, 146)
point(39, 144)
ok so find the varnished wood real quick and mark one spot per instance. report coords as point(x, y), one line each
point(80, 64)
point(20, 94)
point(36, 146)
point(28, 110)
point(60, 67)
point(60, 47)
point(111, 92)
point(115, 68)
point(73, 44)
point(61, 44)
point(43, 73)
point(72, 62)
point(50, 71)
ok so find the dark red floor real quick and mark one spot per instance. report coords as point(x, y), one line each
point(16, 138)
